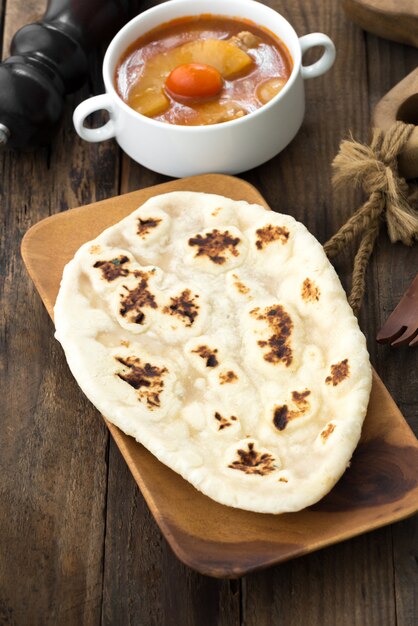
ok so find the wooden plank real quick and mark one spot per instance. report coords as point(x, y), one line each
point(405, 541)
point(156, 588)
point(162, 590)
point(392, 269)
point(53, 464)
point(345, 585)
point(351, 583)
point(173, 593)
point(17, 14)
point(2, 11)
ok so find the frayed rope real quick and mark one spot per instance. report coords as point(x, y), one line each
point(374, 167)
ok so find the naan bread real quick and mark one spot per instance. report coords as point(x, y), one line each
point(218, 335)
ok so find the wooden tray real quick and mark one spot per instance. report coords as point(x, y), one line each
point(380, 487)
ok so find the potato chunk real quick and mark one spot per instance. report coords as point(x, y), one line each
point(267, 90)
point(216, 112)
point(228, 59)
point(149, 102)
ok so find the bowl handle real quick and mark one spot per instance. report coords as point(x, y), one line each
point(327, 59)
point(84, 109)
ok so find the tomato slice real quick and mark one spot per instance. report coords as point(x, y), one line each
point(194, 80)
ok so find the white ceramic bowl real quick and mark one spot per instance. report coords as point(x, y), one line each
point(228, 147)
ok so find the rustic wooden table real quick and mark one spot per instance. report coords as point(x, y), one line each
point(78, 544)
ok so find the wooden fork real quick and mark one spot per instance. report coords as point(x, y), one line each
point(401, 327)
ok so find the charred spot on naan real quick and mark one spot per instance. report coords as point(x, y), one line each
point(310, 291)
point(339, 372)
point(283, 414)
point(132, 303)
point(252, 462)
point(228, 377)
point(113, 268)
point(224, 422)
point(184, 307)
point(207, 354)
point(299, 398)
point(270, 233)
point(240, 285)
point(215, 245)
point(281, 325)
point(146, 225)
point(145, 378)
point(328, 430)
point(281, 417)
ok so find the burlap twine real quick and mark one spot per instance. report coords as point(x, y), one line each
point(375, 168)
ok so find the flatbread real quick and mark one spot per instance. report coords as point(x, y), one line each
point(218, 335)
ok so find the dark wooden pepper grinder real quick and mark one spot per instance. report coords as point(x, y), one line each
point(48, 60)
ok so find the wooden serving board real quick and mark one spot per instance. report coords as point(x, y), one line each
point(380, 487)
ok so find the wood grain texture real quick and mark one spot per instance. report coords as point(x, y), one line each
point(18, 14)
point(392, 269)
point(341, 585)
point(366, 68)
point(184, 596)
point(161, 590)
point(337, 103)
point(53, 458)
point(371, 579)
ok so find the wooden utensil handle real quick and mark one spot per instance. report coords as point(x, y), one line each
point(401, 103)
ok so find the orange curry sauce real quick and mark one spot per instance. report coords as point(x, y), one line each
point(142, 75)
